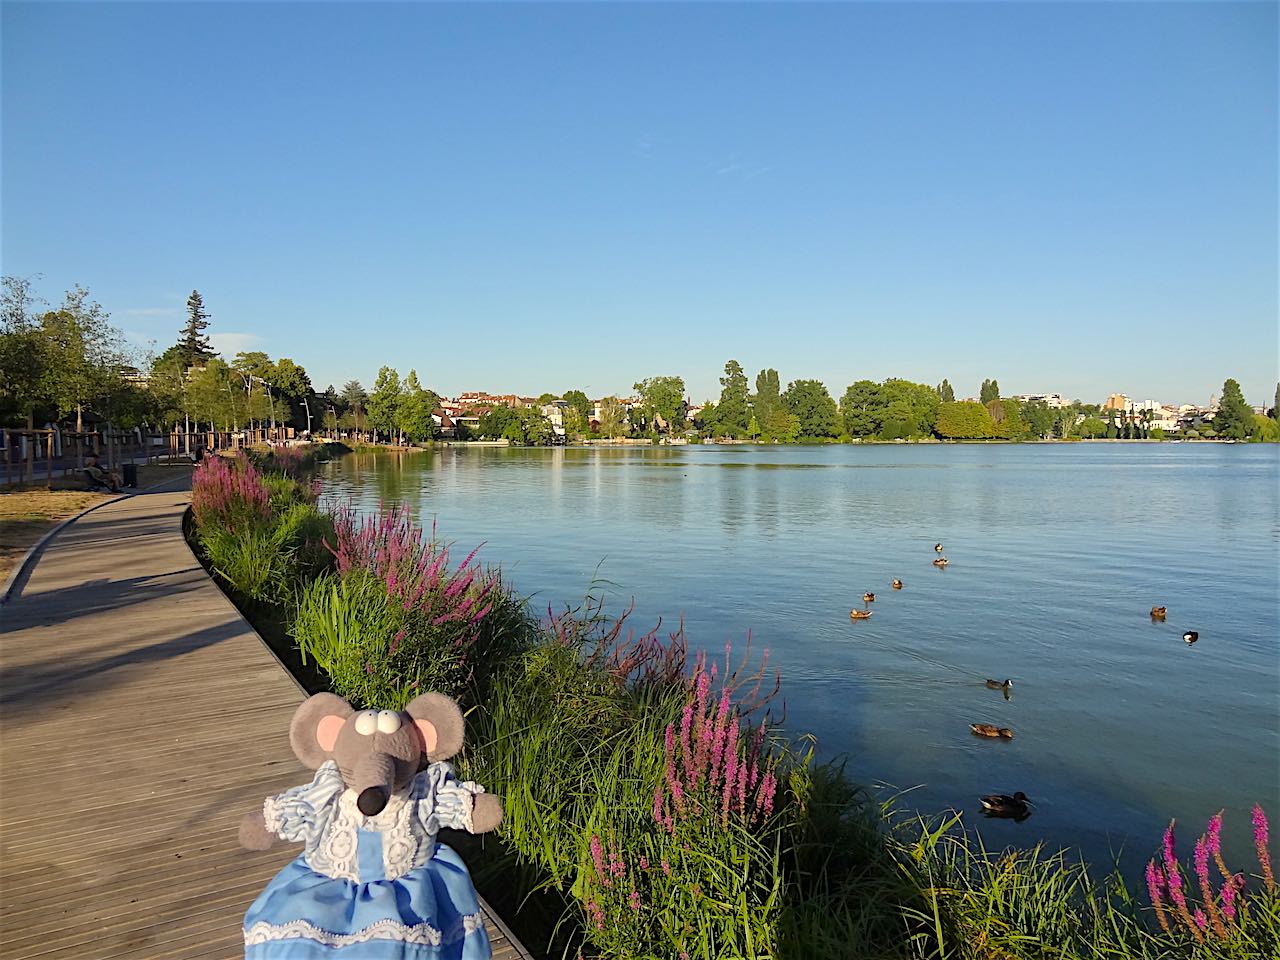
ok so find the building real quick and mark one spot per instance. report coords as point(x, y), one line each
point(1054, 401)
point(1117, 401)
point(554, 411)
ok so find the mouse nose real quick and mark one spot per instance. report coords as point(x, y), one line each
point(372, 801)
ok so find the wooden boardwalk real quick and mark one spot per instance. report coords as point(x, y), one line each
point(140, 719)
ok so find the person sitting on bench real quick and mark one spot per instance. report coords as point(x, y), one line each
point(99, 479)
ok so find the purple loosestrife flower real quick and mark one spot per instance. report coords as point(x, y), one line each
point(1230, 890)
point(1173, 878)
point(666, 868)
point(1200, 918)
point(644, 862)
point(395, 642)
point(1154, 884)
point(597, 860)
point(1206, 887)
point(1261, 836)
point(1214, 836)
point(634, 900)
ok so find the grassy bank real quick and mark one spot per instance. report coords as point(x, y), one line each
point(652, 811)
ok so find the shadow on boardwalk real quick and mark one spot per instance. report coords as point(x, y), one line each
point(142, 718)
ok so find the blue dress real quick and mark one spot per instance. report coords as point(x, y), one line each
point(369, 888)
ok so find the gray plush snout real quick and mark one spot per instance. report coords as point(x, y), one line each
point(373, 782)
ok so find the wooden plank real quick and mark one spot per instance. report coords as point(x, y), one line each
point(143, 718)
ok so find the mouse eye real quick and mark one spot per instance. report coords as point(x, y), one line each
point(366, 723)
point(388, 721)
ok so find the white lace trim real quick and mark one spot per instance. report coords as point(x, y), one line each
point(422, 934)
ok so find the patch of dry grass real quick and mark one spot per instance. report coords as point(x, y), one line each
point(26, 513)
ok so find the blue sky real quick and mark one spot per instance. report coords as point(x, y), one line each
point(1078, 198)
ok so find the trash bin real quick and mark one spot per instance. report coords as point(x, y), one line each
point(129, 472)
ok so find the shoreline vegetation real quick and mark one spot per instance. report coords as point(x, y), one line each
point(653, 807)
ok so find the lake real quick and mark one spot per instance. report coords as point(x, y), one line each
point(1058, 552)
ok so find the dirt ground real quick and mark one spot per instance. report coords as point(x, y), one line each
point(26, 513)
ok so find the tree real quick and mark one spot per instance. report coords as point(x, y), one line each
point(862, 406)
point(909, 409)
point(1039, 419)
point(575, 424)
point(613, 418)
point(1091, 428)
point(990, 391)
point(413, 412)
point(193, 344)
point(1275, 409)
point(1007, 417)
point(1265, 429)
point(733, 411)
point(662, 399)
point(83, 354)
point(1234, 418)
point(959, 420)
point(767, 402)
point(353, 394)
point(580, 402)
point(22, 359)
point(811, 404)
point(546, 398)
point(384, 402)
point(945, 392)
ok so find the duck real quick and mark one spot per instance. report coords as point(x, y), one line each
point(941, 562)
point(859, 614)
point(868, 598)
point(897, 584)
point(990, 730)
point(1158, 613)
point(1191, 637)
point(937, 548)
point(1000, 805)
point(1000, 684)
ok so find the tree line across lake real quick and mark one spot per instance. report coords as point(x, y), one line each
point(71, 361)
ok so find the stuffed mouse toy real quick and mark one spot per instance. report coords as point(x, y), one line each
point(372, 880)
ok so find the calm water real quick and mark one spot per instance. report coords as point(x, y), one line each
point(1058, 553)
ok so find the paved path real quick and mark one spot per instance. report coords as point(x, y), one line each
point(140, 718)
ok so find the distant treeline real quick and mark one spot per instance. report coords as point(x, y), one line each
point(56, 364)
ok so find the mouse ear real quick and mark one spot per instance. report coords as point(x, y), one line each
point(439, 721)
point(315, 727)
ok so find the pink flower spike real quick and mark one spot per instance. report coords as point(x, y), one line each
point(1261, 838)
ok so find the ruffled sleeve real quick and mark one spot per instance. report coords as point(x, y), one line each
point(444, 800)
point(301, 813)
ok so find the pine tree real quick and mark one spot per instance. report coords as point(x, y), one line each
point(192, 343)
point(1234, 419)
point(945, 392)
point(733, 411)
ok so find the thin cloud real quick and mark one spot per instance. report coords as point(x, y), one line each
point(150, 312)
point(742, 170)
point(229, 344)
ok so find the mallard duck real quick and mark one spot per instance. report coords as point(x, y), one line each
point(868, 598)
point(1000, 805)
point(1158, 613)
point(859, 614)
point(937, 548)
point(941, 562)
point(991, 730)
point(897, 584)
point(1191, 637)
